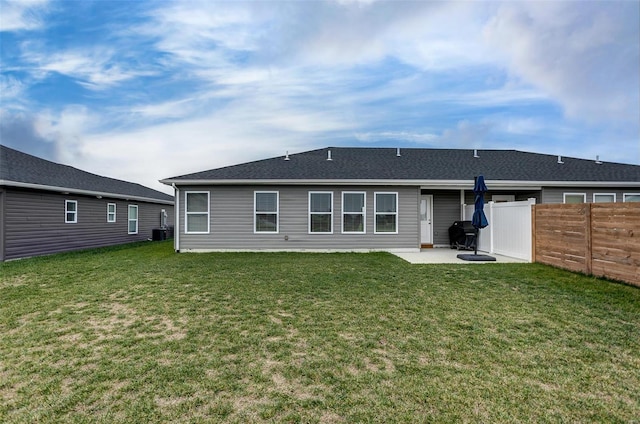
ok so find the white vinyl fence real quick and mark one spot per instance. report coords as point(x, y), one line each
point(509, 229)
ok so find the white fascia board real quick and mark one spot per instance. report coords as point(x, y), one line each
point(425, 184)
point(532, 184)
point(83, 192)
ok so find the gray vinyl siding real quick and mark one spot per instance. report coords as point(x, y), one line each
point(232, 221)
point(34, 223)
point(556, 195)
point(3, 195)
point(446, 210)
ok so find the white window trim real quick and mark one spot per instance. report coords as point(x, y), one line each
point(276, 213)
point(319, 213)
point(129, 220)
point(625, 195)
point(564, 196)
point(109, 213)
point(364, 213)
point(67, 212)
point(187, 213)
point(376, 213)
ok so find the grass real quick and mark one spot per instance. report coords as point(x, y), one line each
point(140, 334)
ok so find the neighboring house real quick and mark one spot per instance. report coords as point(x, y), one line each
point(373, 198)
point(46, 207)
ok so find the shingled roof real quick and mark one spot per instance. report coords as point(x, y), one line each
point(19, 169)
point(420, 165)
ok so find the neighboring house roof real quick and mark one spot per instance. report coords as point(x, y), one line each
point(18, 169)
point(441, 167)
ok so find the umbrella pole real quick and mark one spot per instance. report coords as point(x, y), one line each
point(476, 243)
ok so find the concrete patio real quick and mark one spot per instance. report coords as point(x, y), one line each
point(449, 256)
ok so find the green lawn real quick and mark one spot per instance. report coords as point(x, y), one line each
point(140, 334)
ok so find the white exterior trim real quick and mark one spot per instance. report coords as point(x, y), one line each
point(375, 213)
point(624, 196)
point(425, 184)
point(363, 212)
point(129, 220)
point(309, 213)
point(277, 212)
point(564, 196)
point(115, 210)
point(67, 212)
point(186, 212)
point(603, 194)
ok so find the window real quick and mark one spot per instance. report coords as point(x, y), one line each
point(111, 212)
point(133, 219)
point(631, 197)
point(353, 212)
point(320, 212)
point(386, 207)
point(265, 212)
point(604, 197)
point(70, 211)
point(197, 212)
point(574, 197)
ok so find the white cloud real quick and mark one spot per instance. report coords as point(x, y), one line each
point(396, 136)
point(95, 68)
point(247, 129)
point(11, 88)
point(584, 55)
point(67, 129)
point(21, 15)
point(261, 78)
point(200, 33)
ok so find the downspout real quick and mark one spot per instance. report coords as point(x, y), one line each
point(176, 219)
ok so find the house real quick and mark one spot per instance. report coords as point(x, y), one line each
point(373, 198)
point(46, 207)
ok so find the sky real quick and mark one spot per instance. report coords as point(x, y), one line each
point(144, 90)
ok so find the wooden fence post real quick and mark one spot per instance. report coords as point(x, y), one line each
point(533, 233)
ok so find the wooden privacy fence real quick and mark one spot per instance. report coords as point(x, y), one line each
point(602, 239)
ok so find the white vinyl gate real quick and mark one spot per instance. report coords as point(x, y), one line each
point(509, 229)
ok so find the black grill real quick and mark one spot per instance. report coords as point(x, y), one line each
point(462, 235)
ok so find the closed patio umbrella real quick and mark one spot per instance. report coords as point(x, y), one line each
point(479, 220)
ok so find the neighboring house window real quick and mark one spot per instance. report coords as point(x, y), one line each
point(111, 212)
point(353, 212)
point(133, 219)
point(197, 212)
point(265, 212)
point(320, 212)
point(604, 197)
point(631, 197)
point(70, 211)
point(386, 211)
point(574, 197)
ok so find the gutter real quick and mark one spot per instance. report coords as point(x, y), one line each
point(176, 219)
point(83, 192)
point(433, 184)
